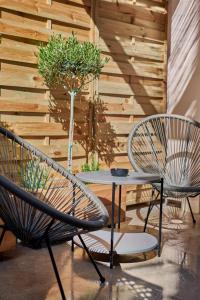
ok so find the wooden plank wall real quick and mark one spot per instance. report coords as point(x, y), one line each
point(131, 33)
point(26, 105)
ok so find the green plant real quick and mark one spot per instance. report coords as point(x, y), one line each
point(72, 64)
point(93, 166)
point(34, 176)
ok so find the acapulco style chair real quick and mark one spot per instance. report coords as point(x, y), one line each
point(168, 145)
point(40, 202)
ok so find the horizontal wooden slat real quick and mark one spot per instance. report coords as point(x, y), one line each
point(134, 109)
point(133, 48)
point(151, 5)
point(6, 118)
point(38, 129)
point(42, 129)
point(81, 2)
point(124, 79)
point(135, 68)
point(57, 11)
point(118, 128)
point(127, 6)
point(113, 14)
point(16, 54)
point(61, 151)
point(108, 87)
point(19, 29)
point(8, 104)
point(19, 78)
point(111, 28)
point(149, 20)
point(15, 105)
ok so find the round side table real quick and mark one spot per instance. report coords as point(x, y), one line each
point(111, 242)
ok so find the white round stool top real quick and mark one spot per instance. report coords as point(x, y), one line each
point(124, 243)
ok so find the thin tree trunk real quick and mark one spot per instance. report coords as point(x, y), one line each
point(71, 131)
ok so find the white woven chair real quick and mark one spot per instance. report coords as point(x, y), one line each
point(168, 145)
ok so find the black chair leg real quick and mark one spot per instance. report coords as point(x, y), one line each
point(2, 235)
point(72, 245)
point(147, 216)
point(160, 218)
point(55, 269)
point(151, 204)
point(193, 218)
point(102, 279)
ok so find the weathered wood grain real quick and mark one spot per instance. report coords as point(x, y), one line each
point(65, 13)
point(132, 85)
point(117, 28)
point(133, 48)
point(22, 30)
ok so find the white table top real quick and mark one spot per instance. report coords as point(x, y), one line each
point(124, 243)
point(105, 177)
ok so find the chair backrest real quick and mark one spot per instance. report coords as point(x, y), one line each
point(168, 145)
point(34, 189)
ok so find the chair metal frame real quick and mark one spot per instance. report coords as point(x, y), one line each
point(68, 208)
point(169, 146)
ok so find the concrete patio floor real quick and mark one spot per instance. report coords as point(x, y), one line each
point(27, 274)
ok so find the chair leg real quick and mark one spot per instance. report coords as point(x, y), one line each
point(147, 216)
point(102, 279)
point(2, 235)
point(55, 269)
point(72, 245)
point(160, 218)
point(151, 204)
point(193, 218)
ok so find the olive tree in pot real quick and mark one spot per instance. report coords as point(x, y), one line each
point(71, 64)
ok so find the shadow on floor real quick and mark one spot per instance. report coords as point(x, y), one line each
point(119, 284)
point(27, 274)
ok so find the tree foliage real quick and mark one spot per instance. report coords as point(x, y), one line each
point(69, 63)
point(72, 64)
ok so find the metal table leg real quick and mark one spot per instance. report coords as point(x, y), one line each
point(112, 224)
point(160, 218)
point(119, 208)
point(73, 201)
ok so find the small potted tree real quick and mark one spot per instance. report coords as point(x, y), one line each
point(71, 64)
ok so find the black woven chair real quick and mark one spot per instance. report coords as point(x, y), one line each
point(42, 203)
point(168, 145)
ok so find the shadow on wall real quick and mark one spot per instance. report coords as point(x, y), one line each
point(104, 142)
point(99, 136)
point(91, 129)
point(184, 62)
point(121, 57)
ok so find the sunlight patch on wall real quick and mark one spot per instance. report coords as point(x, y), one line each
point(184, 54)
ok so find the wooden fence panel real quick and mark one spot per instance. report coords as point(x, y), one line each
point(132, 85)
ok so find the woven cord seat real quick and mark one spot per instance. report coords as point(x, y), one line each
point(168, 145)
point(40, 202)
